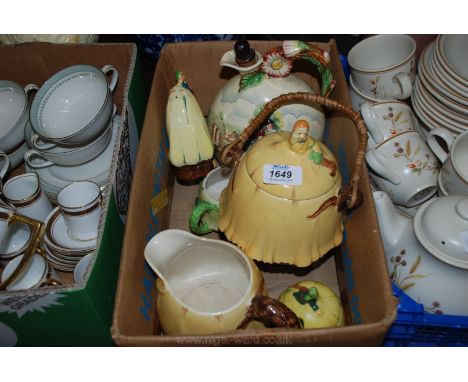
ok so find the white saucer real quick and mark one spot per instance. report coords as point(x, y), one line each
point(16, 241)
point(57, 234)
point(54, 178)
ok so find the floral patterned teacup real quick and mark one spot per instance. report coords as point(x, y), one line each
point(383, 66)
point(405, 168)
point(386, 119)
point(454, 172)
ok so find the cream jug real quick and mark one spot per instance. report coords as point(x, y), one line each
point(208, 286)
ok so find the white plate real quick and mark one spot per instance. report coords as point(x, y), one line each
point(453, 49)
point(57, 234)
point(426, 97)
point(438, 116)
point(441, 86)
point(54, 178)
point(444, 76)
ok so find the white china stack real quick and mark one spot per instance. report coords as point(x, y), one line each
point(72, 228)
point(14, 115)
point(440, 93)
point(72, 128)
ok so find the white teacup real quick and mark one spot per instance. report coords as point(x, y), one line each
point(36, 274)
point(24, 192)
point(357, 98)
point(14, 113)
point(383, 66)
point(75, 105)
point(68, 156)
point(386, 119)
point(405, 168)
point(80, 204)
point(454, 172)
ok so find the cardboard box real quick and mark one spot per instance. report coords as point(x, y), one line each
point(158, 202)
point(73, 315)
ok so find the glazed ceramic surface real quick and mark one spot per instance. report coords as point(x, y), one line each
point(441, 226)
point(405, 168)
point(14, 114)
point(386, 119)
point(243, 97)
point(357, 98)
point(25, 193)
point(33, 275)
point(15, 242)
point(5, 164)
point(454, 172)
point(315, 304)
point(16, 157)
point(55, 177)
point(74, 105)
point(439, 286)
point(204, 286)
point(80, 270)
point(383, 66)
point(258, 216)
point(189, 138)
point(80, 205)
point(451, 49)
point(58, 237)
point(69, 156)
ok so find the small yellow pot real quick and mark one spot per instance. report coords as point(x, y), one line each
point(315, 304)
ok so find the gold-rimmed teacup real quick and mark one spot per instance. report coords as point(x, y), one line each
point(80, 204)
point(24, 192)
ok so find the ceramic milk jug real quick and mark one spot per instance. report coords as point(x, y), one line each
point(209, 286)
point(261, 79)
point(284, 199)
point(427, 257)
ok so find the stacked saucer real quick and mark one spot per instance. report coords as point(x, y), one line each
point(440, 93)
point(62, 250)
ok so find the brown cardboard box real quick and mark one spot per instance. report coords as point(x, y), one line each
point(158, 202)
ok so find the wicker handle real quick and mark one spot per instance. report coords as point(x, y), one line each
point(232, 152)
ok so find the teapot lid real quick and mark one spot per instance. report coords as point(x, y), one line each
point(441, 226)
point(296, 152)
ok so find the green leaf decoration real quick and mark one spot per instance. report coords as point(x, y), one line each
point(251, 79)
point(385, 118)
point(325, 73)
point(418, 149)
point(398, 116)
point(316, 157)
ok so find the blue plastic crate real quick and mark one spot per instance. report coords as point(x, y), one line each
point(415, 327)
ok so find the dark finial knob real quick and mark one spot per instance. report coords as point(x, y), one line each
point(244, 53)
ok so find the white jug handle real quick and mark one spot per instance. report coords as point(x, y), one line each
point(30, 153)
point(5, 165)
point(405, 85)
point(378, 164)
point(115, 76)
point(435, 146)
point(39, 145)
point(370, 118)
